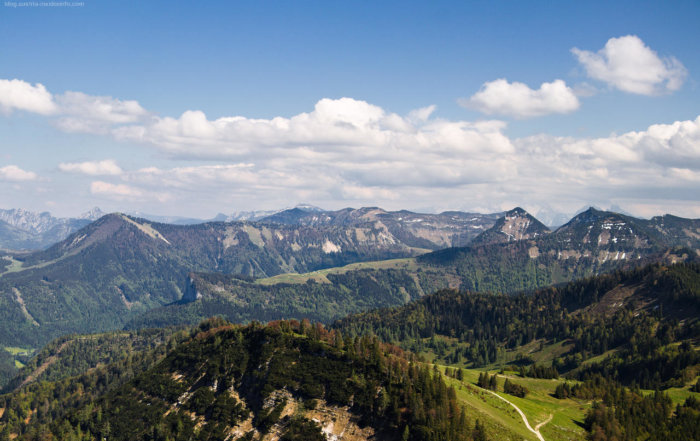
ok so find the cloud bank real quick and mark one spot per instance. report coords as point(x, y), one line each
point(351, 152)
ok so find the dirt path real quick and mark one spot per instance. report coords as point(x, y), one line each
point(45, 365)
point(537, 427)
point(49, 361)
point(536, 430)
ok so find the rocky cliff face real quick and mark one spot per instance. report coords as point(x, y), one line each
point(27, 230)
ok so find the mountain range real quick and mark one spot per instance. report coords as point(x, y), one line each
point(121, 270)
point(27, 230)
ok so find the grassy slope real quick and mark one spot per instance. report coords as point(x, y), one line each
point(320, 275)
point(502, 420)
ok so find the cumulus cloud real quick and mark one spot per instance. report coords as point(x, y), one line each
point(74, 111)
point(515, 99)
point(335, 126)
point(16, 174)
point(95, 114)
point(93, 168)
point(662, 161)
point(626, 63)
point(20, 95)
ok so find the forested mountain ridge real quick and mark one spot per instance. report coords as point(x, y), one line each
point(118, 266)
point(223, 381)
point(642, 314)
point(285, 381)
point(592, 243)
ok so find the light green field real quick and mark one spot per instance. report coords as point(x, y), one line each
point(15, 265)
point(502, 420)
point(320, 275)
point(16, 351)
point(678, 394)
point(19, 364)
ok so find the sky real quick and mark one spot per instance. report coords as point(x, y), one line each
point(193, 108)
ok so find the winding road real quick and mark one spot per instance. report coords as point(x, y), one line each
point(536, 430)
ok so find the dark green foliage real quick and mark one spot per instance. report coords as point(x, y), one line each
point(485, 326)
point(117, 268)
point(387, 390)
point(696, 387)
point(44, 402)
point(76, 354)
point(301, 429)
point(514, 389)
point(7, 367)
point(487, 381)
point(241, 301)
point(536, 371)
point(627, 415)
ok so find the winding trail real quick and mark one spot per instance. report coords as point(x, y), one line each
point(536, 430)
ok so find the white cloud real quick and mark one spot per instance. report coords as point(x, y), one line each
point(345, 125)
point(20, 95)
point(93, 168)
point(126, 192)
point(515, 99)
point(422, 114)
point(75, 111)
point(16, 174)
point(626, 63)
point(349, 152)
point(662, 161)
point(95, 114)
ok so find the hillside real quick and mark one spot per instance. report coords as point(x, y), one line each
point(117, 267)
point(636, 318)
point(122, 271)
point(286, 381)
point(536, 260)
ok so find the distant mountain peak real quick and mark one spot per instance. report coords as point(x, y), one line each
point(592, 215)
point(516, 224)
point(93, 214)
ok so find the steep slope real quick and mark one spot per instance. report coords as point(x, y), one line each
point(677, 230)
point(117, 267)
point(287, 381)
point(516, 224)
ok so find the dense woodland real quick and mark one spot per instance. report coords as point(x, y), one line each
point(379, 382)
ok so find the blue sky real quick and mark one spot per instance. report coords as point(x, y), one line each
point(128, 105)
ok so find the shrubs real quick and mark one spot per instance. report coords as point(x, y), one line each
point(514, 389)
